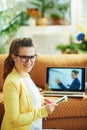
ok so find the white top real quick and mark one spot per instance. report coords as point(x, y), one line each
point(36, 101)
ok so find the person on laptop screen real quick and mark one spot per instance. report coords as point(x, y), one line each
point(75, 85)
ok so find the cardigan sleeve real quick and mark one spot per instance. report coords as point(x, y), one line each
point(11, 103)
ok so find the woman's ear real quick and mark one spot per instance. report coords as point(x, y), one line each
point(13, 57)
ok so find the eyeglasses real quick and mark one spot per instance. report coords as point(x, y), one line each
point(25, 58)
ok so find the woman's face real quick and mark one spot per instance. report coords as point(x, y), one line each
point(73, 75)
point(25, 59)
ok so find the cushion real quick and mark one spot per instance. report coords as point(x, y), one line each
point(1, 107)
point(73, 107)
point(2, 58)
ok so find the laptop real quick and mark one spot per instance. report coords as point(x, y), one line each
point(62, 81)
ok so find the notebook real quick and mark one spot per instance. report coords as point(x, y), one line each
point(62, 81)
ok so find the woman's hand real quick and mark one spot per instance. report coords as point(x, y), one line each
point(50, 105)
point(47, 101)
point(58, 81)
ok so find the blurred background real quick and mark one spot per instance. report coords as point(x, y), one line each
point(53, 25)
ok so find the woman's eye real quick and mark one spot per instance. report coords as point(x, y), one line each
point(24, 57)
point(32, 57)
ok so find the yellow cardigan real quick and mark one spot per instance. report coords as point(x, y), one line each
point(18, 105)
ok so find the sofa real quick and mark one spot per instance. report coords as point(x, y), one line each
point(70, 115)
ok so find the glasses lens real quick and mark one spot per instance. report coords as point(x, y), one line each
point(32, 58)
point(27, 58)
point(24, 58)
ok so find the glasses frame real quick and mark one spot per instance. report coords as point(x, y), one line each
point(25, 58)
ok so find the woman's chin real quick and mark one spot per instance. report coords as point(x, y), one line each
point(28, 69)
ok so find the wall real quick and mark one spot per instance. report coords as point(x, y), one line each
point(79, 12)
point(47, 37)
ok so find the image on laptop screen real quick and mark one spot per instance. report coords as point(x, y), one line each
point(65, 79)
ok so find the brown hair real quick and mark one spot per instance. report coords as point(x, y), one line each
point(75, 72)
point(14, 49)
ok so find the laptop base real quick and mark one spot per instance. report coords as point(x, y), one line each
point(55, 94)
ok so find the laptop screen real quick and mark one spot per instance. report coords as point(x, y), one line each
point(65, 79)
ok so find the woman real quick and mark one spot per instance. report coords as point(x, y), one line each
point(75, 85)
point(22, 100)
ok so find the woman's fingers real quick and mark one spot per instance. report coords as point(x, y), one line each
point(51, 107)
